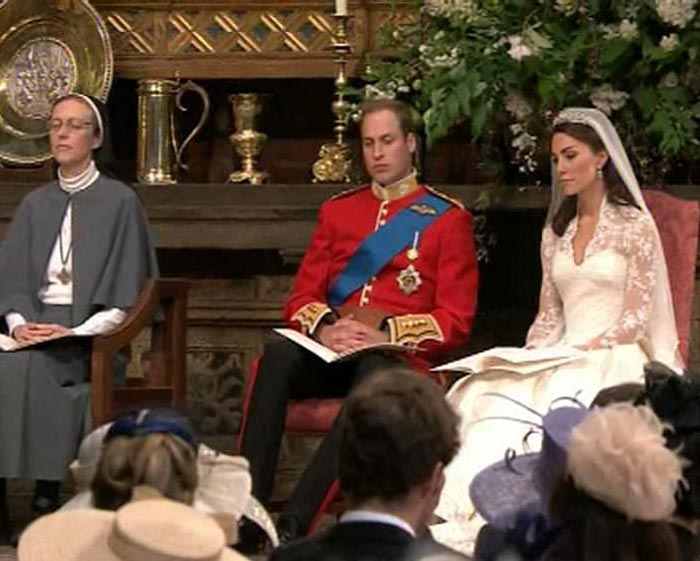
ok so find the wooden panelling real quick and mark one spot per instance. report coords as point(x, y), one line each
point(238, 39)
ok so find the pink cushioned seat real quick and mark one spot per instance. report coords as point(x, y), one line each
point(677, 220)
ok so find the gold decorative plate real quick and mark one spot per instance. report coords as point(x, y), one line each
point(47, 49)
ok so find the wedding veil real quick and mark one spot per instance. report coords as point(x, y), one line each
point(661, 338)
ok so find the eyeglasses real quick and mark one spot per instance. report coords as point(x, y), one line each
point(73, 125)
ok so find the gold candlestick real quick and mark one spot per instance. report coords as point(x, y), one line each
point(333, 165)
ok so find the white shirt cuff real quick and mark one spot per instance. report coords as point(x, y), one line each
point(101, 322)
point(14, 320)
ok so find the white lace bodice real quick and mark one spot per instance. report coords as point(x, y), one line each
point(604, 301)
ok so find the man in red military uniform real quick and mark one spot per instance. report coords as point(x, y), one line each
point(390, 262)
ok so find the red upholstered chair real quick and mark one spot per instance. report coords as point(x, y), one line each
point(677, 220)
point(305, 417)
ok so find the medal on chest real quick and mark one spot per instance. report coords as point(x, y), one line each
point(409, 278)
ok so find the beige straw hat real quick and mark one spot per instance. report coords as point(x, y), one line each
point(147, 530)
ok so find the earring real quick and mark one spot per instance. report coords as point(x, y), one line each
point(599, 173)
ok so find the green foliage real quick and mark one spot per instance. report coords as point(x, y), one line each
point(499, 69)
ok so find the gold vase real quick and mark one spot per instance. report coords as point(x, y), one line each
point(158, 154)
point(246, 140)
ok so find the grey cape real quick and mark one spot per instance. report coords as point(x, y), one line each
point(44, 390)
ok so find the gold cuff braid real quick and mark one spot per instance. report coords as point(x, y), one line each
point(310, 316)
point(412, 329)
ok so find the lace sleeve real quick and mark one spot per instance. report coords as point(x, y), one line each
point(640, 248)
point(548, 326)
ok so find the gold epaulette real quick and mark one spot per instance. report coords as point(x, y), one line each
point(442, 195)
point(348, 192)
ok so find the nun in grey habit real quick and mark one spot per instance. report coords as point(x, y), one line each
point(74, 260)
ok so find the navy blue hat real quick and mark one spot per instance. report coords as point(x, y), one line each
point(160, 420)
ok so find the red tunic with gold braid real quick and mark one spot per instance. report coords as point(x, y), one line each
point(435, 317)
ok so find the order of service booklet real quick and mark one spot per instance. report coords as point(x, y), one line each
point(8, 344)
point(519, 359)
point(329, 355)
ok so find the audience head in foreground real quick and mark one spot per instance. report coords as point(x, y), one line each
point(619, 491)
point(154, 447)
point(676, 401)
point(398, 434)
point(157, 448)
point(603, 487)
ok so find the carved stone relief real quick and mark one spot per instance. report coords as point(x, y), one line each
point(215, 381)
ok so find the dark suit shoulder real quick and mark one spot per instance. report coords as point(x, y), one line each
point(308, 549)
point(425, 548)
point(352, 541)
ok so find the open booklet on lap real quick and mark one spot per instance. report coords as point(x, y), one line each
point(329, 355)
point(524, 361)
point(8, 344)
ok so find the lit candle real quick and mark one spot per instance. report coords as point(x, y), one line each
point(341, 7)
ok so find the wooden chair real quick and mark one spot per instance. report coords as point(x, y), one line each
point(164, 382)
point(677, 221)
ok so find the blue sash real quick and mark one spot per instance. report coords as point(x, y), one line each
point(383, 245)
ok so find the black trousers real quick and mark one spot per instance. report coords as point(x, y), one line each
point(287, 371)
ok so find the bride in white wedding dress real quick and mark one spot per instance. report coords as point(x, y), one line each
point(605, 291)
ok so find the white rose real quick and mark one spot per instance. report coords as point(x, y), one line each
point(608, 100)
point(671, 80)
point(676, 12)
point(628, 30)
point(518, 49)
point(669, 42)
point(566, 7)
point(518, 106)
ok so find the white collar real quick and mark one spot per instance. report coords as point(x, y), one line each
point(378, 517)
point(81, 181)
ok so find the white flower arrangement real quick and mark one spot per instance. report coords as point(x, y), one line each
point(518, 48)
point(481, 67)
point(518, 106)
point(437, 58)
point(676, 12)
point(626, 29)
point(566, 7)
point(669, 42)
point(451, 8)
point(607, 99)
point(525, 145)
point(670, 80)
